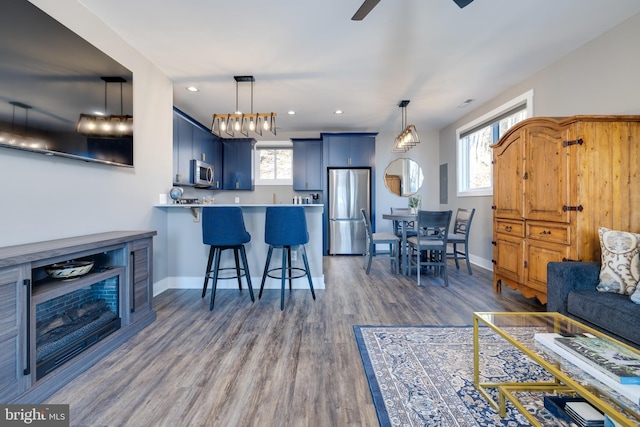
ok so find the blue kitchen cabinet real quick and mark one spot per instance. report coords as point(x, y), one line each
point(216, 162)
point(307, 164)
point(237, 155)
point(192, 140)
point(349, 149)
point(182, 149)
point(208, 148)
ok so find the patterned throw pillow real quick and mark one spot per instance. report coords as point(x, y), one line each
point(620, 269)
point(635, 297)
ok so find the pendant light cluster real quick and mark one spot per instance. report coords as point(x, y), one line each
point(19, 136)
point(408, 138)
point(230, 124)
point(107, 126)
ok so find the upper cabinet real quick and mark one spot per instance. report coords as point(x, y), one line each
point(349, 149)
point(193, 141)
point(182, 149)
point(208, 148)
point(307, 164)
point(237, 157)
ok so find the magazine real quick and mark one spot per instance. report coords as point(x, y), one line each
point(618, 362)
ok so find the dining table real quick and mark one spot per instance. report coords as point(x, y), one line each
point(403, 217)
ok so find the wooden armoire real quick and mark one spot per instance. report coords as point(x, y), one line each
point(555, 182)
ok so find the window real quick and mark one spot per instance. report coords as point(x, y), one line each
point(273, 163)
point(475, 173)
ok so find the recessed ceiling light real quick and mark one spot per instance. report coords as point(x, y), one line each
point(291, 112)
point(338, 112)
point(466, 102)
point(192, 89)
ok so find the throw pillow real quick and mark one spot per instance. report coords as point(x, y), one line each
point(620, 268)
point(635, 297)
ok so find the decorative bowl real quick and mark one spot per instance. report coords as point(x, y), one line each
point(69, 269)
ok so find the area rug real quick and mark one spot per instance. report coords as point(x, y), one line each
point(423, 376)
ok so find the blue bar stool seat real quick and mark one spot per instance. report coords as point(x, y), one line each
point(286, 229)
point(223, 228)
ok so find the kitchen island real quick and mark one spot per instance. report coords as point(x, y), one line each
point(187, 254)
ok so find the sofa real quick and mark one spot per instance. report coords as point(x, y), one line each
point(571, 290)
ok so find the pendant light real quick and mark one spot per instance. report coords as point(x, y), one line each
point(408, 138)
point(230, 124)
point(107, 126)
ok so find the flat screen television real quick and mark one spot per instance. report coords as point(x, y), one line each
point(50, 78)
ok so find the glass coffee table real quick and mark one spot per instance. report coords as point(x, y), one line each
point(530, 334)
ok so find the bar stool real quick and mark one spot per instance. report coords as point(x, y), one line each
point(223, 228)
point(286, 229)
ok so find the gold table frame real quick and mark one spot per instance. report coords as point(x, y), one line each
point(562, 381)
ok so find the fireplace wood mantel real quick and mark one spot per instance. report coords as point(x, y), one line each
point(24, 284)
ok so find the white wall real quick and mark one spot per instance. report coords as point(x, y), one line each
point(426, 154)
point(599, 78)
point(48, 197)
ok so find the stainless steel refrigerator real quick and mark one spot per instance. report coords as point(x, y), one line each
point(349, 191)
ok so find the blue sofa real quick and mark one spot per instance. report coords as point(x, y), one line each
point(571, 290)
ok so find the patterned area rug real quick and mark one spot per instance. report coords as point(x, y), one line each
point(423, 376)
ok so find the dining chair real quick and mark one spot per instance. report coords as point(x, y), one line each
point(411, 225)
point(286, 229)
point(430, 245)
point(223, 228)
point(460, 236)
point(374, 239)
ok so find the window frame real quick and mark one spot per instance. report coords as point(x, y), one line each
point(270, 145)
point(462, 154)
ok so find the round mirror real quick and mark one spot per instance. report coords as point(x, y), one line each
point(403, 177)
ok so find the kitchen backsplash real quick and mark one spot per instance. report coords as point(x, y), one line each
point(263, 194)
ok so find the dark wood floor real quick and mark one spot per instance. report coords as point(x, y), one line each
point(250, 364)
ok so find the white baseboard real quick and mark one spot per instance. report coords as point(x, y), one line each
point(196, 283)
point(481, 262)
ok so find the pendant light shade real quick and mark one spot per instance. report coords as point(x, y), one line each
point(408, 138)
point(245, 124)
point(107, 126)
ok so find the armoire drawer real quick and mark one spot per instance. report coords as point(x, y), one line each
point(510, 227)
point(549, 232)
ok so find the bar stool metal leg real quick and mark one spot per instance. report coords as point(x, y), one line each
point(214, 284)
point(266, 271)
point(284, 275)
point(206, 276)
point(235, 256)
point(306, 266)
point(243, 254)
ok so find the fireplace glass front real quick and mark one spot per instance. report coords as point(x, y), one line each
point(68, 324)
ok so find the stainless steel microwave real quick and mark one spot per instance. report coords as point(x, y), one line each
point(201, 173)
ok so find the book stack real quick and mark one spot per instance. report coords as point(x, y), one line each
point(584, 414)
point(624, 384)
point(621, 364)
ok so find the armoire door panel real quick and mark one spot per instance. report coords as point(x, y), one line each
point(546, 175)
point(507, 178)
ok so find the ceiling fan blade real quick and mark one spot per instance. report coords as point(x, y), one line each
point(462, 3)
point(364, 9)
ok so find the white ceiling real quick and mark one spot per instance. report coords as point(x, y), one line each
point(309, 56)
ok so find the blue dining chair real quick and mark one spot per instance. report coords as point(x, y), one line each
point(430, 245)
point(373, 239)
